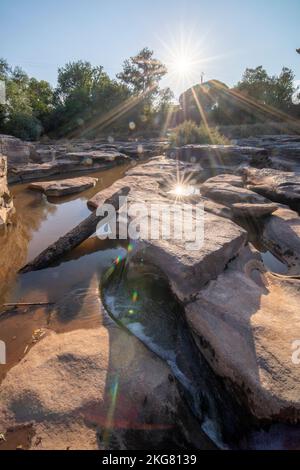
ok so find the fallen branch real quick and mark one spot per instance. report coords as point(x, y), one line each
point(27, 304)
point(74, 237)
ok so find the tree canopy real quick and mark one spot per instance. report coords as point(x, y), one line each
point(86, 102)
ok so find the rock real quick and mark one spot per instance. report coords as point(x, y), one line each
point(281, 235)
point(284, 150)
point(16, 151)
point(94, 388)
point(143, 149)
point(64, 187)
point(218, 209)
point(6, 202)
point(241, 201)
point(227, 194)
point(96, 156)
point(186, 268)
point(233, 180)
point(245, 323)
point(221, 158)
point(34, 171)
point(279, 186)
point(253, 210)
point(43, 155)
point(167, 171)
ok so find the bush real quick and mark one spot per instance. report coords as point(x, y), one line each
point(189, 133)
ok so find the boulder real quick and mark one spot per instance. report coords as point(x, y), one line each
point(245, 323)
point(64, 187)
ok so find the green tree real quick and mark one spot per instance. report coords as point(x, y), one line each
point(142, 72)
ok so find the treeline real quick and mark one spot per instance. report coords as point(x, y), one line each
point(88, 103)
point(257, 98)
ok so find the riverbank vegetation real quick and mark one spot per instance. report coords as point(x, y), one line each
point(87, 103)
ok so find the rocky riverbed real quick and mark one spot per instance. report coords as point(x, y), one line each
point(201, 356)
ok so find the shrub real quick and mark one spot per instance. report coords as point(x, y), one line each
point(189, 133)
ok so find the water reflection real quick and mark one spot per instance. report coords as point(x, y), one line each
point(40, 222)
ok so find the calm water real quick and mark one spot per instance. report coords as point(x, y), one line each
point(72, 284)
point(39, 222)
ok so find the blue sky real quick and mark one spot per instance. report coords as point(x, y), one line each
point(225, 36)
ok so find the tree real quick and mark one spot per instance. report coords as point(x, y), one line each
point(142, 72)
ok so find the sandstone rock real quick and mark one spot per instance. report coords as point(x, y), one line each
point(96, 156)
point(186, 268)
point(218, 209)
point(6, 202)
point(221, 158)
point(241, 201)
point(277, 185)
point(34, 171)
point(64, 187)
point(245, 323)
point(224, 178)
point(17, 151)
point(143, 149)
point(253, 210)
point(93, 388)
point(282, 236)
point(225, 193)
point(284, 150)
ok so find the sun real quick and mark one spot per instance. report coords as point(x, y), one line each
point(181, 65)
point(184, 56)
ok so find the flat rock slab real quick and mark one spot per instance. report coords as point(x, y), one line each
point(96, 156)
point(282, 236)
point(245, 323)
point(34, 171)
point(186, 268)
point(228, 191)
point(64, 187)
point(253, 210)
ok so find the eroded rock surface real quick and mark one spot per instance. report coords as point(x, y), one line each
point(277, 185)
point(228, 191)
point(17, 151)
point(222, 158)
point(64, 187)
point(282, 236)
point(284, 150)
point(6, 202)
point(187, 267)
point(93, 388)
point(245, 323)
